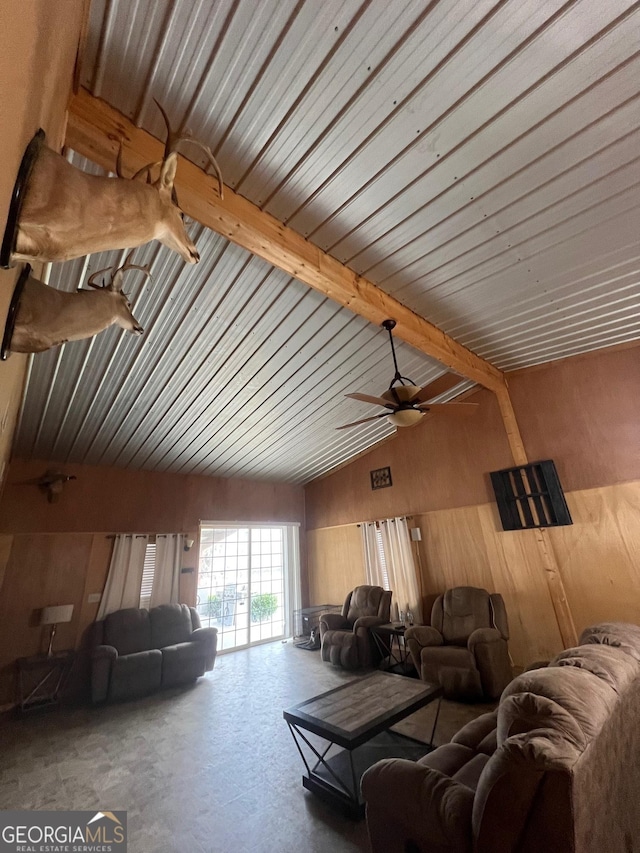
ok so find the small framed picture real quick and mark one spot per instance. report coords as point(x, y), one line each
point(381, 478)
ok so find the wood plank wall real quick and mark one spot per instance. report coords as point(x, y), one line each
point(599, 557)
point(440, 478)
point(43, 570)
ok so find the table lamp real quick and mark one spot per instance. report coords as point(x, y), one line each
point(53, 616)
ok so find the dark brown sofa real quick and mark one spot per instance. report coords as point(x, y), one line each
point(346, 638)
point(137, 651)
point(556, 768)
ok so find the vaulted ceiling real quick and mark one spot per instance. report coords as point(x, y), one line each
point(476, 161)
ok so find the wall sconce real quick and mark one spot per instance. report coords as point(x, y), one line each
point(53, 616)
point(188, 544)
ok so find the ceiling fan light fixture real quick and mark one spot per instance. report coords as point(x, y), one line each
point(405, 417)
point(404, 393)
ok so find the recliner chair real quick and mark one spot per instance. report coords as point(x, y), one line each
point(465, 647)
point(346, 641)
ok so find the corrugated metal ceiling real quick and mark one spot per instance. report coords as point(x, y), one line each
point(478, 160)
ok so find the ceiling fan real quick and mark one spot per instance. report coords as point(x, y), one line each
point(406, 402)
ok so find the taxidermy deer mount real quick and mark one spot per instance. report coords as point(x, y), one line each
point(50, 483)
point(67, 213)
point(46, 317)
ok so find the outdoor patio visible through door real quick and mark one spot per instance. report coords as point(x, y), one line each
point(244, 583)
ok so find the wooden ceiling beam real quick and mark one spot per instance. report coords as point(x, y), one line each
point(95, 130)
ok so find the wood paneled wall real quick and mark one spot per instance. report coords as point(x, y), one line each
point(338, 564)
point(583, 413)
point(41, 571)
point(127, 501)
point(598, 556)
point(59, 553)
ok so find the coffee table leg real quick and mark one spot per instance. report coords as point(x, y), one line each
point(296, 733)
point(435, 722)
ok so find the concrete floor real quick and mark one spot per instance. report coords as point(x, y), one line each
point(209, 769)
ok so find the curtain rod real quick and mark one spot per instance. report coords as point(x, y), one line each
point(385, 520)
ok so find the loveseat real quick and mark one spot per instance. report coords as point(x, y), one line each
point(556, 768)
point(136, 651)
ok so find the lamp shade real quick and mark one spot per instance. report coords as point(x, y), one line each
point(405, 417)
point(55, 615)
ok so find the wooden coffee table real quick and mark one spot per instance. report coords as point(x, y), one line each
point(352, 725)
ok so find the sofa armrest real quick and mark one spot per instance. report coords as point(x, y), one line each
point(102, 659)
point(491, 654)
point(208, 639)
point(368, 622)
point(479, 734)
point(424, 635)
point(407, 801)
point(333, 622)
point(483, 635)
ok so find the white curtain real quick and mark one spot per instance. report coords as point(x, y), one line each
point(122, 588)
point(375, 573)
point(389, 563)
point(166, 577)
point(292, 596)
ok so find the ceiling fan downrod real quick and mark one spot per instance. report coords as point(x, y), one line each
point(389, 325)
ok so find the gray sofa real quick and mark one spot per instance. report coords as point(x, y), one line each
point(555, 768)
point(134, 652)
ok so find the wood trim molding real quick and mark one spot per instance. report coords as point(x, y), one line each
point(95, 130)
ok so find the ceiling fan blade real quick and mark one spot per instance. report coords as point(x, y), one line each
point(364, 420)
point(443, 383)
point(367, 398)
point(449, 408)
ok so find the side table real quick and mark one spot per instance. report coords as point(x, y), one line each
point(390, 642)
point(41, 679)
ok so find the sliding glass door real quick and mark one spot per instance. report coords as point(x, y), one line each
point(243, 583)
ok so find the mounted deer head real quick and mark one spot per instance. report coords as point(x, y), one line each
point(68, 213)
point(47, 317)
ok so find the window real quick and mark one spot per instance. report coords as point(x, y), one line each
point(148, 573)
point(245, 581)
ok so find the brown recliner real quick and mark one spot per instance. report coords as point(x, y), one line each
point(346, 641)
point(465, 647)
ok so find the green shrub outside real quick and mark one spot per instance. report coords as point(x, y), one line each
point(213, 607)
point(263, 606)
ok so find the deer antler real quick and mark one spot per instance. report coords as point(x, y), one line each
point(174, 138)
point(118, 274)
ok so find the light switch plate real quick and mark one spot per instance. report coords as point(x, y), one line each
point(94, 597)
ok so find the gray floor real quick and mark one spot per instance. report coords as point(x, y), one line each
point(211, 769)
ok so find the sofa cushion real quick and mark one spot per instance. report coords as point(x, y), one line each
point(526, 712)
point(135, 675)
point(460, 763)
point(365, 601)
point(611, 665)
point(621, 635)
point(510, 783)
point(182, 663)
point(170, 624)
point(587, 699)
point(128, 631)
point(464, 608)
point(479, 734)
